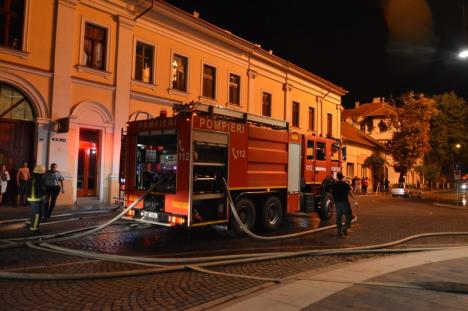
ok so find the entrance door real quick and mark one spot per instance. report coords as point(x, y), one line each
point(87, 163)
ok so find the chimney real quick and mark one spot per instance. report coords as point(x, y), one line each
point(356, 104)
point(196, 14)
point(376, 100)
point(270, 51)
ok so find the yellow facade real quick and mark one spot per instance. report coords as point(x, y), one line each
point(51, 70)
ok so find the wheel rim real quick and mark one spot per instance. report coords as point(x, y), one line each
point(272, 215)
point(243, 216)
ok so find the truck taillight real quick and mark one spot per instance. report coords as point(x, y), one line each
point(176, 220)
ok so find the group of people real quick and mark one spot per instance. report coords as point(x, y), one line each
point(360, 185)
point(38, 190)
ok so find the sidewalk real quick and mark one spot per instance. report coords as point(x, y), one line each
point(11, 212)
point(415, 281)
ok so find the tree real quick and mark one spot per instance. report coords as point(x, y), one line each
point(410, 141)
point(447, 130)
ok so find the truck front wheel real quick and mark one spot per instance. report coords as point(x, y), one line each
point(246, 211)
point(328, 207)
point(272, 214)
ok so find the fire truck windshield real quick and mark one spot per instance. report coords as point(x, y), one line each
point(156, 162)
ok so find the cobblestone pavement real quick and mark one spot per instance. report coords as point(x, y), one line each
point(380, 219)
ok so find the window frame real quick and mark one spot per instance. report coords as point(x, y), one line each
point(214, 81)
point(24, 51)
point(295, 114)
point(84, 67)
point(270, 96)
point(329, 125)
point(238, 89)
point(187, 77)
point(311, 125)
point(153, 68)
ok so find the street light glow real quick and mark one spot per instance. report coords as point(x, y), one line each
point(463, 54)
point(458, 146)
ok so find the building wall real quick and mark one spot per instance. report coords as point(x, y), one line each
point(51, 71)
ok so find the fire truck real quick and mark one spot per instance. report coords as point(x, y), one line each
point(270, 170)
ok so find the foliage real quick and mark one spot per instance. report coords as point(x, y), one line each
point(373, 161)
point(447, 130)
point(430, 173)
point(410, 141)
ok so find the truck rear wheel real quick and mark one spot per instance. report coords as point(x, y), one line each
point(246, 211)
point(328, 207)
point(271, 214)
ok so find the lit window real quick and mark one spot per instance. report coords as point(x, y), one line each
point(266, 104)
point(179, 73)
point(234, 89)
point(11, 23)
point(209, 81)
point(95, 48)
point(144, 62)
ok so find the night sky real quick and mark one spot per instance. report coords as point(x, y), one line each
point(371, 48)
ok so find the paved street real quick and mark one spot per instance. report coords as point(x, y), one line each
point(380, 219)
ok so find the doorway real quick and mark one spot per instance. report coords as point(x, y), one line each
point(88, 155)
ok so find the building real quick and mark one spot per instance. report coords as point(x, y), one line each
point(73, 72)
point(375, 120)
point(360, 147)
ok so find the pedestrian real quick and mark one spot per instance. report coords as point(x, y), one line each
point(353, 183)
point(23, 178)
point(387, 185)
point(4, 179)
point(341, 191)
point(358, 186)
point(364, 184)
point(36, 197)
point(53, 181)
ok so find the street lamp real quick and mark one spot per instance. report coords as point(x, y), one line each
point(463, 54)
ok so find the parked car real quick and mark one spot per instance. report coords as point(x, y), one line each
point(405, 190)
point(463, 186)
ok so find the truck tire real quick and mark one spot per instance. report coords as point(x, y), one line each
point(271, 215)
point(328, 206)
point(246, 211)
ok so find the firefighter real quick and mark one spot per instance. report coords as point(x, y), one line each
point(36, 197)
point(341, 190)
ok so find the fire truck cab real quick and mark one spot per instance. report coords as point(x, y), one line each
point(270, 170)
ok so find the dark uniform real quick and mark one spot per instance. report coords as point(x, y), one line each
point(341, 190)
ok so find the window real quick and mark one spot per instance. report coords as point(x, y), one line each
point(321, 151)
point(13, 104)
point(362, 126)
point(144, 62)
point(383, 126)
point(12, 23)
point(209, 81)
point(179, 73)
point(295, 114)
point(329, 124)
point(310, 150)
point(266, 104)
point(95, 48)
point(234, 89)
point(350, 169)
point(311, 119)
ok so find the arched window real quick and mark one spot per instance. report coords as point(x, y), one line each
point(13, 104)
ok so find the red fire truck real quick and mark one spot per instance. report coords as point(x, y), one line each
point(270, 170)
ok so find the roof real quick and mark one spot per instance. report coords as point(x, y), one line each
point(352, 134)
point(379, 109)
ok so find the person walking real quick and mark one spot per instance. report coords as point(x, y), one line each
point(341, 191)
point(36, 197)
point(53, 181)
point(23, 178)
point(4, 179)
